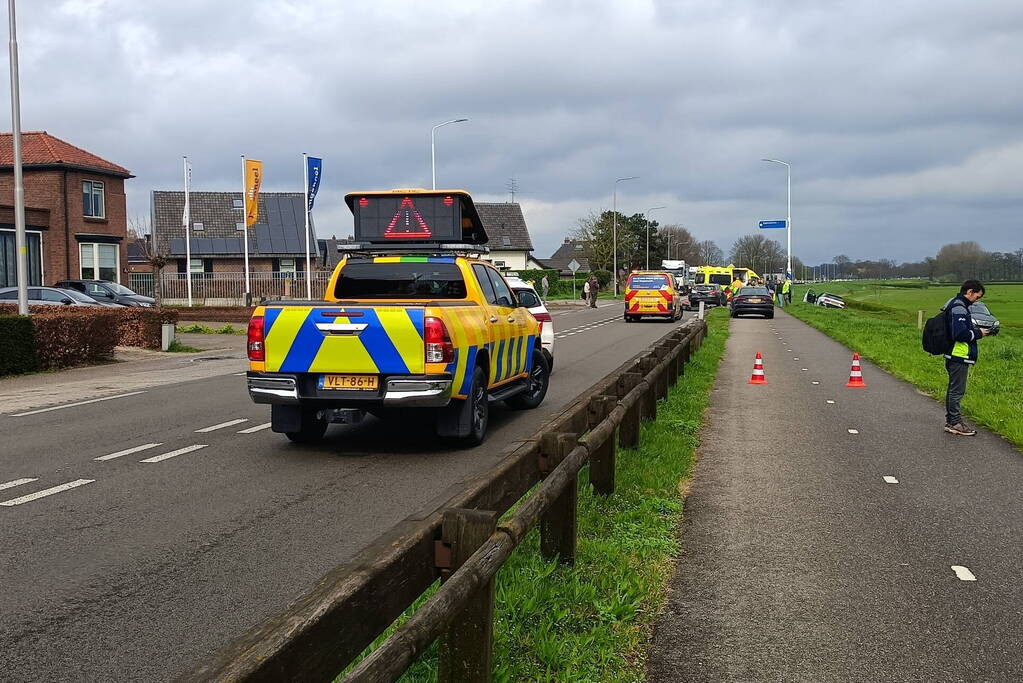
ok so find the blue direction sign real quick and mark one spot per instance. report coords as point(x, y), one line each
point(764, 225)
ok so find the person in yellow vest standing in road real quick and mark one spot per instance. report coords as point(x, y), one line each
point(786, 291)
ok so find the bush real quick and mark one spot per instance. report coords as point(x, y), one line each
point(17, 345)
point(142, 326)
point(73, 335)
point(603, 277)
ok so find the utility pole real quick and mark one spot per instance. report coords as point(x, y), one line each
point(20, 237)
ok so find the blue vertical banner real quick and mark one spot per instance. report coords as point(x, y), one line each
point(314, 167)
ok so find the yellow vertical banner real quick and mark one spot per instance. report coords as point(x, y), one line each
point(253, 179)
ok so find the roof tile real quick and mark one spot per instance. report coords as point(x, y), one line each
point(39, 148)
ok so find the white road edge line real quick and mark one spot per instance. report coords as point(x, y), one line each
point(80, 403)
point(16, 482)
point(229, 423)
point(818, 383)
point(128, 451)
point(830, 401)
point(174, 454)
point(853, 431)
point(257, 428)
point(963, 573)
point(47, 492)
point(888, 479)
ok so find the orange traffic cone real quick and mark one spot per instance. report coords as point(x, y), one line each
point(758, 371)
point(855, 376)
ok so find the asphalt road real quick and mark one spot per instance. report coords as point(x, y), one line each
point(209, 522)
point(802, 562)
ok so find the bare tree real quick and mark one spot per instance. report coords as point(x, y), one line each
point(140, 230)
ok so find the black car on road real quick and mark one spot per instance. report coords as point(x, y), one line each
point(105, 291)
point(753, 300)
point(710, 295)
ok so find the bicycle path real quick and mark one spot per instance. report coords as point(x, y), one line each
point(803, 559)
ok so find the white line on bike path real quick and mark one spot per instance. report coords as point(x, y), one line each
point(79, 403)
point(16, 482)
point(229, 423)
point(47, 492)
point(963, 573)
point(128, 451)
point(888, 479)
point(174, 454)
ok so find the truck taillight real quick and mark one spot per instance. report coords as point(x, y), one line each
point(255, 345)
point(438, 344)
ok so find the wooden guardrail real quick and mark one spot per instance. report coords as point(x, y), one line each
point(460, 541)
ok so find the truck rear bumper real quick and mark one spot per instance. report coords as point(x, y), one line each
point(422, 391)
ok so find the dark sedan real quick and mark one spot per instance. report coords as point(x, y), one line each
point(755, 300)
point(104, 291)
point(710, 295)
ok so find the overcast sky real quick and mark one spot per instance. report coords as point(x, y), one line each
point(903, 121)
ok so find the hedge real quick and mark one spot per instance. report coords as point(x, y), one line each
point(62, 336)
point(17, 345)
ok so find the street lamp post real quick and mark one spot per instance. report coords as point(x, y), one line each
point(433, 147)
point(647, 217)
point(614, 230)
point(788, 213)
point(20, 236)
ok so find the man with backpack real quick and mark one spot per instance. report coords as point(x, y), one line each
point(960, 353)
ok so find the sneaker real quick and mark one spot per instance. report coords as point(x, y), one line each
point(961, 429)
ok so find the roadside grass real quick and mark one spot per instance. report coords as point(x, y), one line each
point(892, 341)
point(593, 622)
point(196, 328)
point(177, 347)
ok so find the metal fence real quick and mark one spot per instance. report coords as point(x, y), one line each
point(228, 289)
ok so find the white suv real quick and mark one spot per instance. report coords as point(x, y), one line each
point(529, 298)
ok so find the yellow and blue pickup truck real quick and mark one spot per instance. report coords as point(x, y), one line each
point(411, 318)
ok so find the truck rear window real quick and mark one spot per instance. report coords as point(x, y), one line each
point(647, 281)
point(370, 280)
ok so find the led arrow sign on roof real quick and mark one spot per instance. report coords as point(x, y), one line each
point(408, 223)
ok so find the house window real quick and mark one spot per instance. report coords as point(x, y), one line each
point(287, 265)
point(237, 204)
point(99, 261)
point(9, 263)
point(198, 227)
point(196, 265)
point(506, 241)
point(92, 199)
point(239, 226)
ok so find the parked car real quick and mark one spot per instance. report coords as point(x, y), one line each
point(529, 298)
point(710, 295)
point(983, 318)
point(50, 296)
point(752, 300)
point(101, 290)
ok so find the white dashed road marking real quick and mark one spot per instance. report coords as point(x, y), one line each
point(174, 454)
point(47, 492)
point(853, 431)
point(888, 479)
point(229, 423)
point(80, 403)
point(16, 482)
point(963, 573)
point(128, 451)
point(257, 428)
point(818, 383)
point(830, 401)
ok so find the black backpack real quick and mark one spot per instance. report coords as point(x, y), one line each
point(936, 339)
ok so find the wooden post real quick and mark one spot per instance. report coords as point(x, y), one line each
point(919, 320)
point(648, 402)
point(602, 460)
point(557, 526)
point(673, 367)
point(466, 648)
point(628, 432)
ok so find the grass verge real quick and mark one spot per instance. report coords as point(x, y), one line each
point(178, 347)
point(893, 343)
point(196, 328)
point(593, 622)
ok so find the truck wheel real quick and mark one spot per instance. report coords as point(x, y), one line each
point(539, 380)
point(464, 421)
point(311, 430)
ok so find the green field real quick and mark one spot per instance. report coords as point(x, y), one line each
point(880, 324)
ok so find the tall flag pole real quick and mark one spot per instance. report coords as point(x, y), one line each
point(245, 233)
point(312, 167)
point(186, 221)
point(252, 178)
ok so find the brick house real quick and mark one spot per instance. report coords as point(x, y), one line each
point(570, 249)
point(75, 211)
point(510, 245)
point(276, 241)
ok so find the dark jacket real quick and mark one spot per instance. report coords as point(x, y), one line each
point(962, 331)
